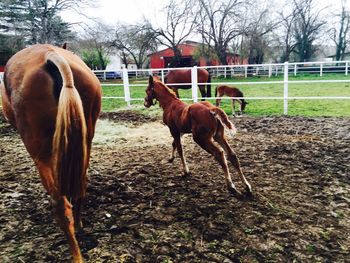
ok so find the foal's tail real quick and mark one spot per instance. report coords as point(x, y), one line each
point(69, 147)
point(220, 115)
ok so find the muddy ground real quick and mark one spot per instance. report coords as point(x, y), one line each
point(140, 209)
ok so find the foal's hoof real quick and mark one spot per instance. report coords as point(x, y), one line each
point(170, 160)
point(235, 192)
point(248, 194)
point(186, 174)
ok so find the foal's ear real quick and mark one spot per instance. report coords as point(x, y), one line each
point(150, 81)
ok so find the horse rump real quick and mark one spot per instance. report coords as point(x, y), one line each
point(69, 147)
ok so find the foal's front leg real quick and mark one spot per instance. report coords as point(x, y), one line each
point(178, 145)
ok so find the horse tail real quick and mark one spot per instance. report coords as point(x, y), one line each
point(209, 86)
point(69, 147)
point(221, 116)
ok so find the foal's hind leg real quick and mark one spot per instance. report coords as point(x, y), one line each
point(220, 138)
point(206, 142)
point(178, 145)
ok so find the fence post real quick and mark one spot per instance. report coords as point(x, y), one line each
point(104, 75)
point(346, 68)
point(270, 71)
point(321, 69)
point(276, 70)
point(194, 81)
point(295, 69)
point(162, 73)
point(245, 71)
point(225, 72)
point(285, 89)
point(126, 86)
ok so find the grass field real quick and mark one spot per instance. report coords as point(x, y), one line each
point(309, 107)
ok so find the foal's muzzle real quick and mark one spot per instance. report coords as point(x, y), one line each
point(148, 102)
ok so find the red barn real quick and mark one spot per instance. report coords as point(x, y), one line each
point(162, 58)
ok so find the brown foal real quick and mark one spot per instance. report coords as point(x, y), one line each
point(206, 123)
point(232, 92)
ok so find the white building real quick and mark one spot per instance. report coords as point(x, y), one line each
point(117, 64)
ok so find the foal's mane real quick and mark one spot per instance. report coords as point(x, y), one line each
point(166, 88)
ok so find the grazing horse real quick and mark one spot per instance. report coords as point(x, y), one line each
point(184, 76)
point(205, 122)
point(232, 92)
point(53, 99)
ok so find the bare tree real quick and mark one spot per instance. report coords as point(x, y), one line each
point(135, 41)
point(256, 33)
point(94, 45)
point(287, 26)
point(180, 24)
point(307, 28)
point(340, 33)
point(218, 24)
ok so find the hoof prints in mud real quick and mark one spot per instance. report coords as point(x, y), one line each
point(140, 209)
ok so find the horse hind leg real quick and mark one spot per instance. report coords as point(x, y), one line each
point(220, 138)
point(62, 210)
point(207, 144)
point(176, 90)
point(202, 91)
point(77, 207)
point(64, 216)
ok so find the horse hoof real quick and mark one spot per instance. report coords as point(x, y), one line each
point(79, 227)
point(170, 160)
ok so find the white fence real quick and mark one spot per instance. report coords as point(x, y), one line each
point(232, 71)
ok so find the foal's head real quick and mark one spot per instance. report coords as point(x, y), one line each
point(150, 98)
point(156, 90)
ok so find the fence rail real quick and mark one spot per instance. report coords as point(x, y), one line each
point(269, 70)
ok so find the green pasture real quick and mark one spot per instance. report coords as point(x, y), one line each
point(257, 107)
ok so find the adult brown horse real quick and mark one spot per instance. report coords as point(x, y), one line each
point(205, 122)
point(232, 92)
point(53, 99)
point(180, 76)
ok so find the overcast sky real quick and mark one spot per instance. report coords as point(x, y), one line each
point(132, 11)
point(127, 11)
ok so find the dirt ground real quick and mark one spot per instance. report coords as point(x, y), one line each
point(140, 209)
